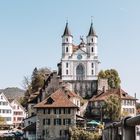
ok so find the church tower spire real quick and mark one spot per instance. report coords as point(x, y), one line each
point(66, 31)
point(92, 41)
point(92, 31)
point(67, 40)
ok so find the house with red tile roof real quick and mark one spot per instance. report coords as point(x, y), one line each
point(56, 114)
point(128, 103)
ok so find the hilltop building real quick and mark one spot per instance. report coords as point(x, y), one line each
point(79, 63)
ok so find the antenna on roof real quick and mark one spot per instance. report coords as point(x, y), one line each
point(91, 19)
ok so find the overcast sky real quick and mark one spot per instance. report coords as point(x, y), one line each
point(30, 36)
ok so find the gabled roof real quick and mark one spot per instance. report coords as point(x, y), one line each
point(118, 92)
point(92, 31)
point(66, 31)
point(16, 101)
point(59, 99)
point(2, 94)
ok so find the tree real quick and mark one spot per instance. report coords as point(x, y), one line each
point(37, 80)
point(112, 76)
point(112, 108)
point(2, 120)
point(33, 84)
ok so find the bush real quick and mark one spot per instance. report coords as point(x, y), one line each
point(79, 134)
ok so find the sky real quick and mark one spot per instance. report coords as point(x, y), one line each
point(30, 36)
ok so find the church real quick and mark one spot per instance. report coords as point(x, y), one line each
point(79, 63)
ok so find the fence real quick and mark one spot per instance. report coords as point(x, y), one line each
point(123, 130)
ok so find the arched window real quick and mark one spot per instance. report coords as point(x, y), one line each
point(67, 65)
point(92, 65)
point(67, 49)
point(92, 49)
point(66, 39)
point(67, 72)
point(92, 72)
point(80, 73)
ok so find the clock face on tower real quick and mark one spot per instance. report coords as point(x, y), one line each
point(79, 56)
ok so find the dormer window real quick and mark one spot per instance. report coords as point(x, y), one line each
point(49, 100)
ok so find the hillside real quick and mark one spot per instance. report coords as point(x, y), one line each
point(13, 92)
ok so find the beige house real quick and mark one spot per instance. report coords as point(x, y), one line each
point(18, 113)
point(56, 114)
point(128, 103)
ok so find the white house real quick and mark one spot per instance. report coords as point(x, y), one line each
point(6, 110)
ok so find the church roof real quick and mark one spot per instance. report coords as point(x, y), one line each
point(66, 31)
point(92, 31)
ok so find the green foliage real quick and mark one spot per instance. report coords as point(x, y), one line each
point(112, 76)
point(80, 134)
point(37, 80)
point(33, 84)
point(138, 105)
point(112, 108)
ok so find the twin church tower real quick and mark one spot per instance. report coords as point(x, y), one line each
point(79, 63)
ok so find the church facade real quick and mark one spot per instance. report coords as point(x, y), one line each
point(79, 63)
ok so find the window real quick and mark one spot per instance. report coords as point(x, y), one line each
point(67, 65)
point(61, 132)
point(66, 121)
point(48, 121)
point(19, 118)
point(8, 118)
point(59, 110)
point(14, 118)
point(49, 100)
point(92, 40)
point(67, 110)
point(66, 39)
point(92, 72)
point(80, 72)
point(56, 111)
point(92, 65)
point(67, 49)
point(43, 121)
point(57, 121)
point(92, 49)
point(67, 72)
point(48, 111)
point(43, 132)
point(17, 107)
point(1, 97)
